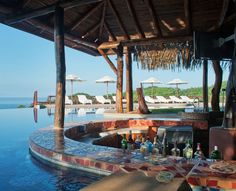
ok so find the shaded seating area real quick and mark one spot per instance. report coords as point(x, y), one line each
point(84, 100)
point(149, 99)
point(102, 100)
point(175, 99)
point(68, 101)
point(162, 99)
point(188, 100)
point(123, 100)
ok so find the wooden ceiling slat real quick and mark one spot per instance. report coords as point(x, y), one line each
point(156, 23)
point(46, 10)
point(134, 17)
point(187, 11)
point(89, 13)
point(102, 20)
point(121, 25)
point(222, 15)
point(91, 30)
point(113, 37)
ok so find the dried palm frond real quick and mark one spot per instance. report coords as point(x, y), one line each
point(166, 56)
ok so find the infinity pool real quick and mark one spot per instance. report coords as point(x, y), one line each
point(18, 170)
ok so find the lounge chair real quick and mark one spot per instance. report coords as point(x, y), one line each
point(84, 100)
point(149, 99)
point(102, 100)
point(176, 99)
point(114, 99)
point(188, 100)
point(68, 101)
point(162, 99)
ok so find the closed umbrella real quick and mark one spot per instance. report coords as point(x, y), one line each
point(177, 82)
point(151, 81)
point(106, 80)
point(73, 78)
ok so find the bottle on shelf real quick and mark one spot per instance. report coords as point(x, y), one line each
point(124, 143)
point(165, 147)
point(137, 142)
point(188, 150)
point(149, 145)
point(199, 154)
point(215, 154)
point(143, 147)
point(130, 142)
point(175, 150)
point(156, 146)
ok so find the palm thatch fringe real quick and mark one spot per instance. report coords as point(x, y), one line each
point(166, 56)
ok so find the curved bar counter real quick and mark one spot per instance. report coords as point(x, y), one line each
point(68, 148)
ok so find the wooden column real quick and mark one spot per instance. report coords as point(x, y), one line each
point(129, 81)
point(205, 86)
point(60, 68)
point(119, 84)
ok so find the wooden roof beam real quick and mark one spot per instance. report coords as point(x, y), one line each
point(70, 37)
point(102, 20)
point(91, 30)
point(46, 10)
point(146, 41)
point(135, 19)
point(89, 13)
point(121, 25)
point(113, 37)
point(154, 17)
point(108, 60)
point(188, 17)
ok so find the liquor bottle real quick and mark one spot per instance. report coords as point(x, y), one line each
point(149, 145)
point(215, 154)
point(130, 142)
point(124, 142)
point(165, 149)
point(137, 142)
point(198, 154)
point(188, 150)
point(155, 149)
point(175, 151)
point(143, 147)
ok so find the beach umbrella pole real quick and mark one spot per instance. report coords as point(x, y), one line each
point(107, 90)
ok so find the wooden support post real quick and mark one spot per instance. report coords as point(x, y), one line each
point(60, 68)
point(119, 84)
point(129, 81)
point(205, 86)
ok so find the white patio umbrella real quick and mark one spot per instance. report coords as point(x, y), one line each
point(106, 80)
point(177, 82)
point(151, 81)
point(73, 78)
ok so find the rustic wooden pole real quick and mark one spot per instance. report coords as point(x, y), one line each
point(60, 68)
point(129, 81)
point(205, 86)
point(119, 84)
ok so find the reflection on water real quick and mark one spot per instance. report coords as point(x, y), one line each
point(19, 171)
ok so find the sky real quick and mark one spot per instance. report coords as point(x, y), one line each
point(27, 64)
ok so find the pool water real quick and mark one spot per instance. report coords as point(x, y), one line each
point(18, 170)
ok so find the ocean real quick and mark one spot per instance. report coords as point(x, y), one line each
point(14, 102)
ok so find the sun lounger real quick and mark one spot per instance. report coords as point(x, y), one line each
point(102, 100)
point(162, 99)
point(68, 101)
point(84, 100)
point(188, 100)
point(114, 99)
point(176, 99)
point(149, 99)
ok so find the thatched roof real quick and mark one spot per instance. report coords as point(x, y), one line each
point(90, 24)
